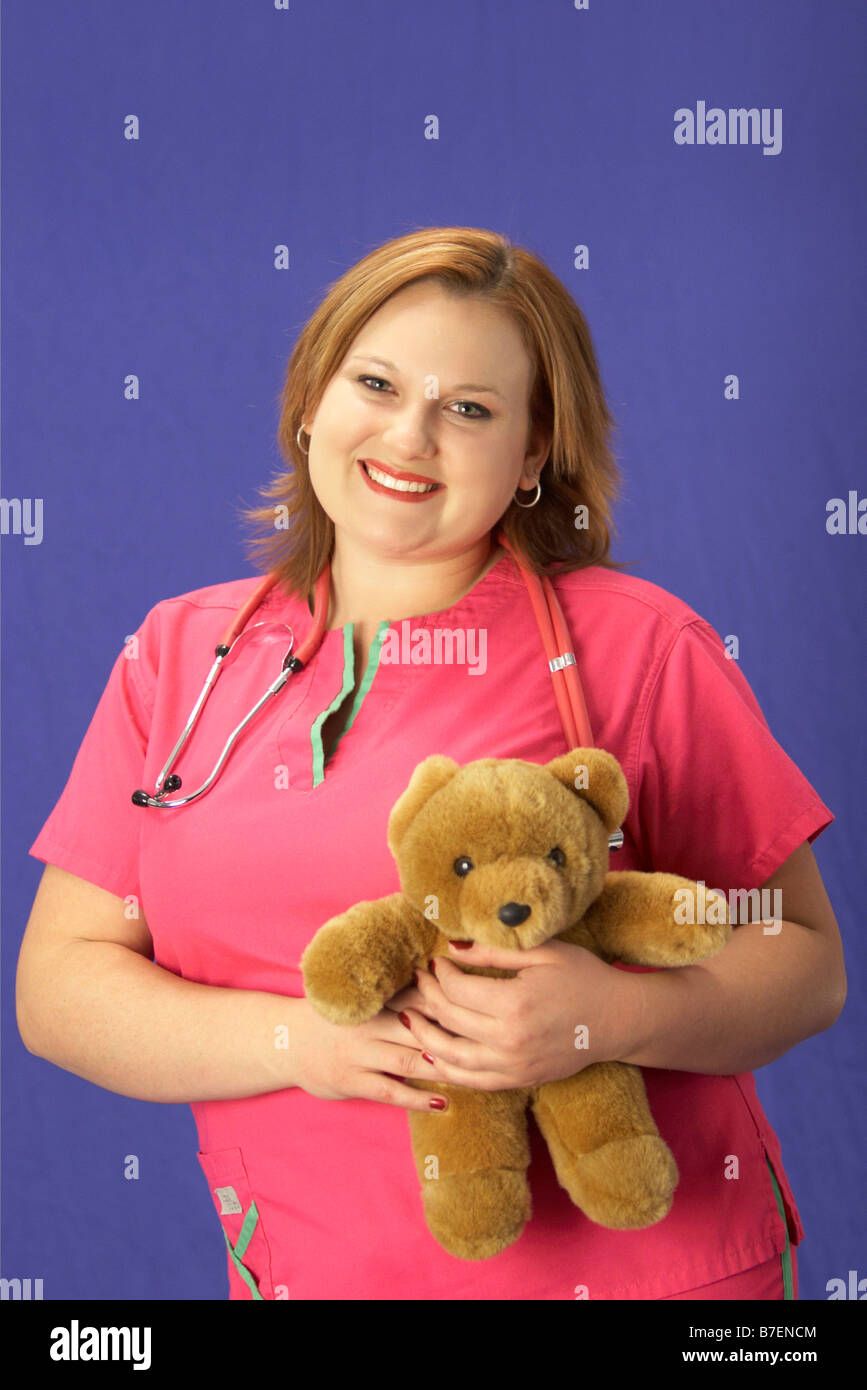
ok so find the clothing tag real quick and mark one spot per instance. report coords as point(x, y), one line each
point(229, 1204)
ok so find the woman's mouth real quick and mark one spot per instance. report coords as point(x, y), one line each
point(400, 488)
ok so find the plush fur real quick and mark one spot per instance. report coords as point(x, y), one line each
point(506, 815)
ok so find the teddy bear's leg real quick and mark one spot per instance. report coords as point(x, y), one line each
point(471, 1161)
point(606, 1149)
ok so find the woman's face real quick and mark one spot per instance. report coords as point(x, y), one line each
point(400, 400)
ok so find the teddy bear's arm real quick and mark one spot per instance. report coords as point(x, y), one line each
point(644, 919)
point(358, 960)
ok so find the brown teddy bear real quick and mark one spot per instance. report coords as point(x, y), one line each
point(510, 854)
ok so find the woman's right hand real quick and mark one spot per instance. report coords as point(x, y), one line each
point(366, 1061)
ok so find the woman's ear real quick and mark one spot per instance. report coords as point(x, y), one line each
point(538, 451)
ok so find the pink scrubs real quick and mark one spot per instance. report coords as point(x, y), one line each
point(319, 1199)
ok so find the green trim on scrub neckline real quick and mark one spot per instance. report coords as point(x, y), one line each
point(316, 729)
point(786, 1256)
point(247, 1229)
point(348, 682)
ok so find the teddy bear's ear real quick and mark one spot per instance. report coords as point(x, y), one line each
point(435, 772)
point(596, 776)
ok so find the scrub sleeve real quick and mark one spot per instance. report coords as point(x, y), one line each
point(319, 1199)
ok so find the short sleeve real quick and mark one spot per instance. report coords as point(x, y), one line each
point(719, 799)
point(93, 830)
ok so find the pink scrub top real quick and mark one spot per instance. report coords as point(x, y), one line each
point(317, 1198)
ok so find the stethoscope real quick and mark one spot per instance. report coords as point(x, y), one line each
point(552, 628)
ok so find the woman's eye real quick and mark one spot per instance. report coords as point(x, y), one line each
point(485, 413)
point(462, 866)
point(557, 856)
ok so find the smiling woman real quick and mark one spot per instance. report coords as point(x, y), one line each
point(458, 470)
point(201, 996)
point(480, 369)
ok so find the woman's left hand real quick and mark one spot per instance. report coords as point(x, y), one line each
point(564, 1010)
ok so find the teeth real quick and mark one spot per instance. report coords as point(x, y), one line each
point(396, 484)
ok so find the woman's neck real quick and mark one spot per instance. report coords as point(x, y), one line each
point(366, 588)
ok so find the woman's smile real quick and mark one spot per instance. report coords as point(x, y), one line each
point(406, 488)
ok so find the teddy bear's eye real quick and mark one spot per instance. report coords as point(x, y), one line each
point(557, 856)
point(462, 866)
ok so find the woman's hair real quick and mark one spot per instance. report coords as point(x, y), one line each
point(566, 397)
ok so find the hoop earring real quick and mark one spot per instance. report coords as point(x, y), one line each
point(298, 441)
point(525, 505)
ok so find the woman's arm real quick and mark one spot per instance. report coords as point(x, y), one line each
point(90, 999)
point(763, 994)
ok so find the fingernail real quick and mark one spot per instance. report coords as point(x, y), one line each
point(428, 1058)
point(432, 968)
point(437, 1104)
point(415, 978)
point(461, 945)
point(405, 1021)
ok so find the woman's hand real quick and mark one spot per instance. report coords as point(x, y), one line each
point(366, 1061)
point(564, 1010)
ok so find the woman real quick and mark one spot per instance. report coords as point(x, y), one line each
point(446, 384)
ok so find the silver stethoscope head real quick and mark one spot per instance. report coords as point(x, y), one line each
point(169, 781)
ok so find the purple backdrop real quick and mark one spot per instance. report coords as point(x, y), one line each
point(261, 126)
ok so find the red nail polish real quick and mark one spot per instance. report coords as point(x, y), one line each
point(437, 1104)
point(461, 945)
point(428, 1058)
point(405, 1021)
point(415, 978)
point(432, 968)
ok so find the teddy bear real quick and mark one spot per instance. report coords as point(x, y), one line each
point(511, 854)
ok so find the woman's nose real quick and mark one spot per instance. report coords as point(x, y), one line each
point(412, 430)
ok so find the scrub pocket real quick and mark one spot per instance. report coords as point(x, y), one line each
point(247, 1246)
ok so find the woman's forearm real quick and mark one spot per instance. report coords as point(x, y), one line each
point(757, 999)
point(120, 1020)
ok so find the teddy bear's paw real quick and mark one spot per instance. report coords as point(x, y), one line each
point(338, 1011)
point(340, 984)
point(476, 1215)
point(626, 1184)
point(694, 937)
point(336, 997)
point(702, 940)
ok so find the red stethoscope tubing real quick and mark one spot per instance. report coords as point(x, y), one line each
point(557, 643)
point(314, 637)
point(568, 690)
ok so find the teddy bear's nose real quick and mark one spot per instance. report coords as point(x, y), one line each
point(513, 914)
